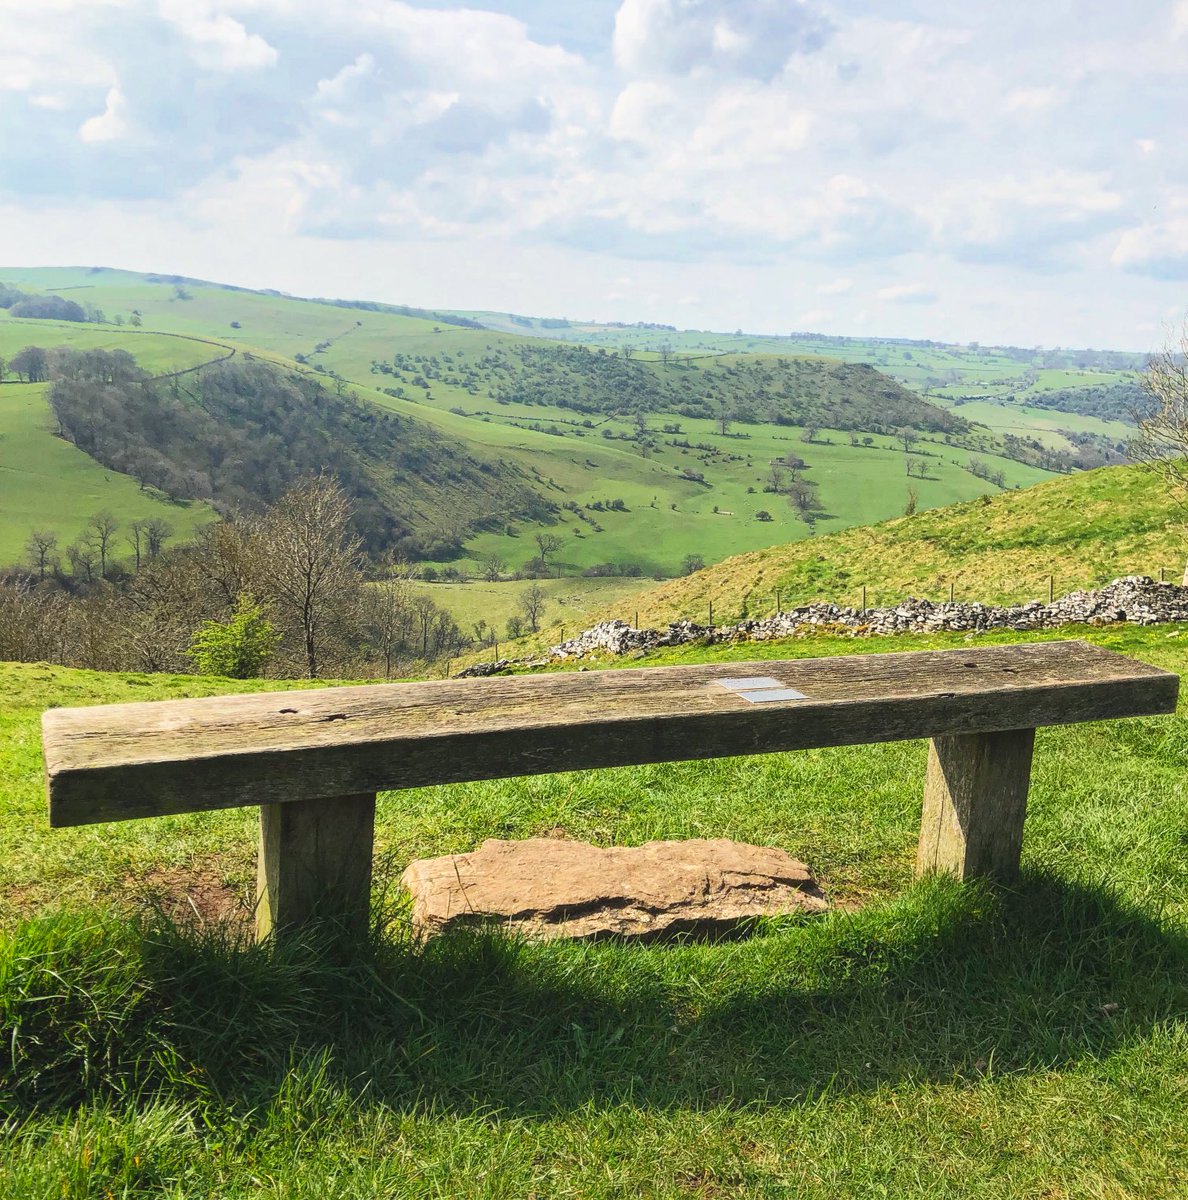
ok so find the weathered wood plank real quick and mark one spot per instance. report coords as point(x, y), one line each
point(975, 801)
point(138, 760)
point(315, 864)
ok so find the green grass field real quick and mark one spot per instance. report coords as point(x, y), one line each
point(1080, 530)
point(669, 518)
point(923, 1040)
point(50, 484)
point(569, 604)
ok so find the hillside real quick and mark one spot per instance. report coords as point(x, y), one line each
point(603, 441)
point(1082, 530)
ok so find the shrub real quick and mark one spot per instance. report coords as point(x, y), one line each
point(237, 648)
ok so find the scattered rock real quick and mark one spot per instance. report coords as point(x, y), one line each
point(548, 887)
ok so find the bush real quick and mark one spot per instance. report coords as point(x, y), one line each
point(237, 648)
point(763, 515)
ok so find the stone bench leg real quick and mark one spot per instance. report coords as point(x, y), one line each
point(315, 864)
point(975, 800)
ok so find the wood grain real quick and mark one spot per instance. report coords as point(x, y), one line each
point(138, 760)
point(315, 864)
point(975, 801)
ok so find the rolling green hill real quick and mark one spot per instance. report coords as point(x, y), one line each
point(1082, 530)
point(636, 481)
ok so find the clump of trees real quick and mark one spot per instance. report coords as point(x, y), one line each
point(286, 592)
point(238, 434)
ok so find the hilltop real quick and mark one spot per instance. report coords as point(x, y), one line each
point(1082, 530)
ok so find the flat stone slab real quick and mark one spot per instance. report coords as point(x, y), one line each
point(553, 887)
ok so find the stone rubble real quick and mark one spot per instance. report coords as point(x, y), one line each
point(1136, 599)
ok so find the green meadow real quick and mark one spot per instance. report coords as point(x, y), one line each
point(567, 461)
point(924, 1039)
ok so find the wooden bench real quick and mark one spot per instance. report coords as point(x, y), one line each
point(314, 760)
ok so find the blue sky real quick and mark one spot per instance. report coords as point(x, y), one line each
point(1000, 171)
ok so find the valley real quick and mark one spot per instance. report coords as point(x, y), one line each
point(635, 464)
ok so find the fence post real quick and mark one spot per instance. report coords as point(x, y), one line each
point(1051, 588)
point(777, 602)
point(1161, 578)
point(711, 615)
point(952, 590)
point(864, 599)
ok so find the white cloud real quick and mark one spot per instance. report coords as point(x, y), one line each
point(836, 287)
point(111, 124)
point(907, 293)
point(218, 42)
point(1180, 19)
point(1159, 250)
point(1032, 100)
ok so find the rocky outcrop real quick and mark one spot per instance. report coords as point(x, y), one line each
point(1135, 598)
point(552, 887)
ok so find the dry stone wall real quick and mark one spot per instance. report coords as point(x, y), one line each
point(1136, 599)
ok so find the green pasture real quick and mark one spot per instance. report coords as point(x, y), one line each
point(670, 517)
point(922, 1040)
point(48, 484)
point(569, 603)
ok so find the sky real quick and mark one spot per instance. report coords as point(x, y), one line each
point(1001, 172)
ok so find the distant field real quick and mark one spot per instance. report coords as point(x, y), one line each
point(670, 517)
point(49, 484)
point(1081, 530)
point(569, 603)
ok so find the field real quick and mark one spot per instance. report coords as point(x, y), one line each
point(923, 1040)
point(568, 461)
point(1076, 532)
point(50, 484)
point(569, 604)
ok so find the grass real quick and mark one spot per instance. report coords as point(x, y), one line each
point(938, 1040)
point(1082, 530)
point(670, 516)
point(569, 603)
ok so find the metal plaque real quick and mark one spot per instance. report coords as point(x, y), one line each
point(767, 695)
point(755, 683)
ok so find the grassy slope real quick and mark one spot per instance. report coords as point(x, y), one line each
point(856, 485)
point(569, 603)
point(941, 1042)
point(48, 483)
point(1083, 529)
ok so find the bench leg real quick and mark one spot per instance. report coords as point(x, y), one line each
point(975, 800)
point(315, 863)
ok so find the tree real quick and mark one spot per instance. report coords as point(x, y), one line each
point(493, 567)
point(1162, 441)
point(310, 561)
point(41, 547)
point(909, 437)
point(532, 604)
point(692, 563)
point(33, 363)
point(236, 648)
point(136, 539)
point(548, 543)
point(3, 369)
point(156, 533)
point(388, 619)
point(723, 418)
point(102, 529)
point(763, 515)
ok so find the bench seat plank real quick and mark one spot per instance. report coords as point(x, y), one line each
point(116, 762)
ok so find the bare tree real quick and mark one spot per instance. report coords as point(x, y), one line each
point(493, 567)
point(548, 543)
point(102, 530)
point(1162, 441)
point(156, 533)
point(41, 547)
point(136, 539)
point(311, 560)
point(388, 619)
point(532, 604)
point(723, 418)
